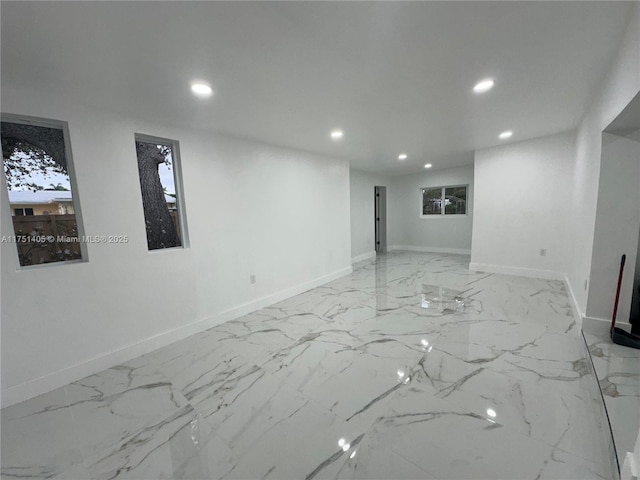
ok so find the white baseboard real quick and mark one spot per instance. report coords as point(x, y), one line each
point(602, 325)
point(588, 324)
point(267, 300)
point(534, 273)
point(631, 466)
point(18, 393)
point(574, 303)
point(521, 272)
point(413, 248)
point(38, 386)
point(363, 257)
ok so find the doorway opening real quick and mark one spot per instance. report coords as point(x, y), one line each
point(627, 127)
point(380, 219)
point(617, 218)
point(635, 299)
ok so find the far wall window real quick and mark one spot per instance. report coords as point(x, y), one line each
point(444, 200)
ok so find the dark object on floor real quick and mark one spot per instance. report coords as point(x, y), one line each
point(619, 336)
point(635, 322)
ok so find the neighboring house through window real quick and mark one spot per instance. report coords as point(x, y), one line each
point(39, 176)
point(439, 201)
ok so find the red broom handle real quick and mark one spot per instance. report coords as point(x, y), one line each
point(615, 306)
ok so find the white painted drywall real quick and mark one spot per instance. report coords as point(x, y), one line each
point(635, 303)
point(251, 209)
point(408, 230)
point(362, 186)
point(522, 205)
point(616, 229)
point(618, 88)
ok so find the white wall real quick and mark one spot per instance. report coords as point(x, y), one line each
point(362, 186)
point(408, 230)
point(616, 228)
point(251, 209)
point(522, 205)
point(617, 90)
point(635, 304)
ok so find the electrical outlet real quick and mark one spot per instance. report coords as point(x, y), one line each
point(252, 279)
point(543, 252)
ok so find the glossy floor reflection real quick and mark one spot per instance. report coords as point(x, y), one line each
point(618, 371)
point(352, 380)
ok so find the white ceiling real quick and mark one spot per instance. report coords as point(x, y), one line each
point(395, 76)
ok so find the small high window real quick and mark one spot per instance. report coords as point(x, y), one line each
point(37, 168)
point(158, 168)
point(444, 200)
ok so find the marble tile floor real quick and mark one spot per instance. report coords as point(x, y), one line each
point(618, 371)
point(412, 367)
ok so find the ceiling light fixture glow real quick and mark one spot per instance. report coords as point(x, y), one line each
point(505, 135)
point(337, 134)
point(201, 89)
point(483, 85)
point(402, 156)
point(427, 165)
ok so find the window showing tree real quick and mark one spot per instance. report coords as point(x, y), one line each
point(444, 200)
point(36, 163)
point(157, 164)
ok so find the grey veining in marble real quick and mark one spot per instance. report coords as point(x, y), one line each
point(618, 371)
point(412, 367)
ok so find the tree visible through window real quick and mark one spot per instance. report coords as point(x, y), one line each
point(444, 200)
point(157, 164)
point(35, 162)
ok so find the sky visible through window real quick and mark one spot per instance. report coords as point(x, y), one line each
point(33, 178)
point(166, 176)
point(45, 180)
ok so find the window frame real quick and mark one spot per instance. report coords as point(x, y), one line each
point(73, 182)
point(442, 213)
point(176, 160)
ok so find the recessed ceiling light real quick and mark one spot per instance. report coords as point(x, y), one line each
point(402, 156)
point(201, 89)
point(337, 134)
point(505, 135)
point(483, 85)
point(427, 165)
